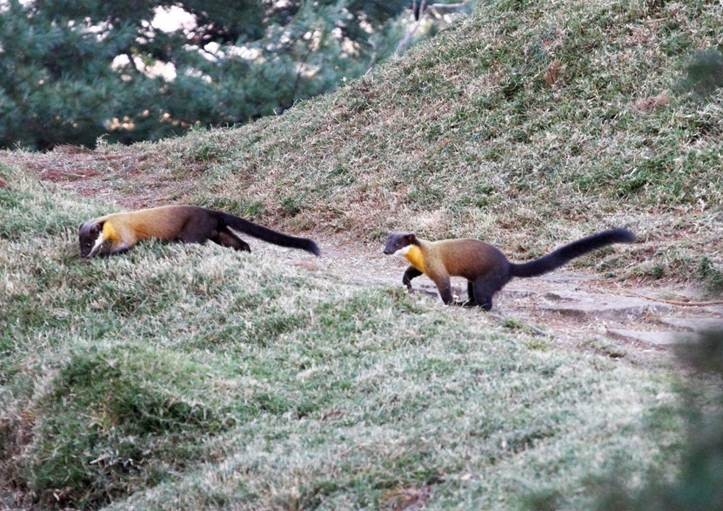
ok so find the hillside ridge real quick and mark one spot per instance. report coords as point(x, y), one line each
point(525, 125)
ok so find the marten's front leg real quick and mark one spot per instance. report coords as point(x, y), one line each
point(410, 274)
point(440, 277)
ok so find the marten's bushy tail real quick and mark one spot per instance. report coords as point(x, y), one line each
point(269, 235)
point(562, 255)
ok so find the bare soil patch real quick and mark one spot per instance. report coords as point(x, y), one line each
point(118, 175)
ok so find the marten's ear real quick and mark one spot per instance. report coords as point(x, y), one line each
point(90, 229)
point(411, 238)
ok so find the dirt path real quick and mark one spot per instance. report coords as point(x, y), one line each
point(570, 307)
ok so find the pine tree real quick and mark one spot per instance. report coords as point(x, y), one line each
point(73, 70)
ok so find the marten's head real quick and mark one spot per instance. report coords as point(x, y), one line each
point(89, 237)
point(399, 241)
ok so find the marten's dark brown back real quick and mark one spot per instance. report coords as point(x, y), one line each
point(470, 258)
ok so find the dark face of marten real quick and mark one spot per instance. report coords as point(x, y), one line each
point(399, 240)
point(87, 235)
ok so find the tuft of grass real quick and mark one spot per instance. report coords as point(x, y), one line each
point(704, 72)
point(122, 417)
point(697, 483)
point(23, 210)
point(711, 276)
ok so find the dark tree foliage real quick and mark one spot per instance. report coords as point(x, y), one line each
point(704, 72)
point(697, 480)
point(73, 70)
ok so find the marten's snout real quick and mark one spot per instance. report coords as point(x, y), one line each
point(391, 245)
point(86, 246)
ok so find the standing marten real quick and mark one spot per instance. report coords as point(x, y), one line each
point(118, 232)
point(486, 269)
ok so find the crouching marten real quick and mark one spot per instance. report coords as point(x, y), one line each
point(486, 269)
point(118, 232)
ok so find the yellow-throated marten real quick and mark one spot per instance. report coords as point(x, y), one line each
point(118, 232)
point(486, 269)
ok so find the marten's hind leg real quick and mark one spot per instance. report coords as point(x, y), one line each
point(471, 301)
point(226, 238)
point(485, 288)
point(198, 229)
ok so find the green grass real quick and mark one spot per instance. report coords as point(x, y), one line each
point(182, 377)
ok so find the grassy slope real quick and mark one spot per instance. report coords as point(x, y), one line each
point(529, 124)
point(466, 137)
point(184, 376)
point(188, 376)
